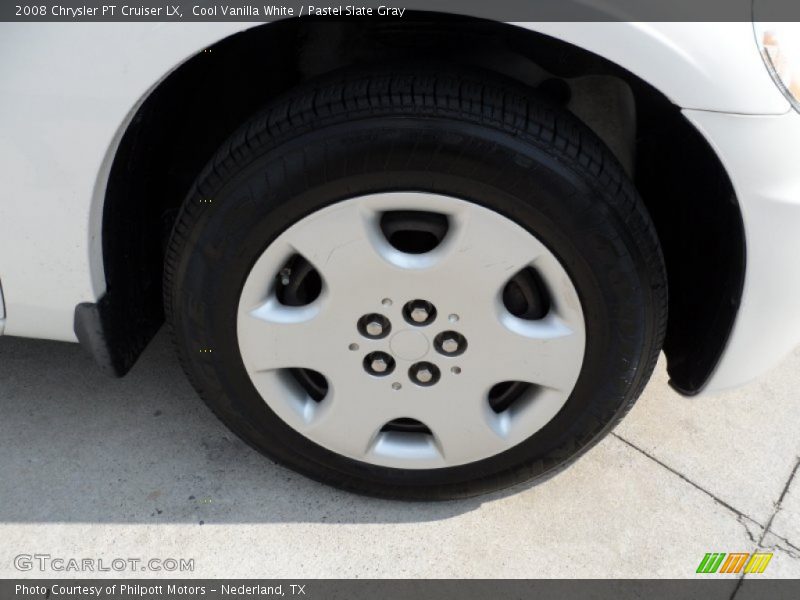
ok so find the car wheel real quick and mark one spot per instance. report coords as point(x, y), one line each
point(416, 285)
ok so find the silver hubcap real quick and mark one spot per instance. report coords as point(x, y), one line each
point(450, 342)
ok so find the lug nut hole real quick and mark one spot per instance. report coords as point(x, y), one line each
point(419, 312)
point(378, 364)
point(424, 373)
point(450, 343)
point(374, 326)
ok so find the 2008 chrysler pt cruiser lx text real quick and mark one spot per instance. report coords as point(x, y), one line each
point(425, 258)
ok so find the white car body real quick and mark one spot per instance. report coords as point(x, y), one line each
point(70, 90)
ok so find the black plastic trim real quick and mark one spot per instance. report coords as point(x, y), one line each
point(113, 341)
point(696, 213)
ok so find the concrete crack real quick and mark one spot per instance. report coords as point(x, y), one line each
point(784, 545)
point(782, 496)
point(741, 517)
point(776, 509)
point(744, 521)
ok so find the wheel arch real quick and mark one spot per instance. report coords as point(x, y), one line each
point(162, 149)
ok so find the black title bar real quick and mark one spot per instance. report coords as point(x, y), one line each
point(499, 10)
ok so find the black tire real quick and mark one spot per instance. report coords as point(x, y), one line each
point(471, 136)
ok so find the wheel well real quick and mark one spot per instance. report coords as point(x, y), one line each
point(190, 114)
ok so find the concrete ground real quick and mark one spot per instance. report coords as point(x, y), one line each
point(94, 467)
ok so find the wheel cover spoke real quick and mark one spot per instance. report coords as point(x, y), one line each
point(539, 352)
point(395, 394)
point(273, 336)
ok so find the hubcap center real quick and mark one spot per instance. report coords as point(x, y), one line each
point(409, 344)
